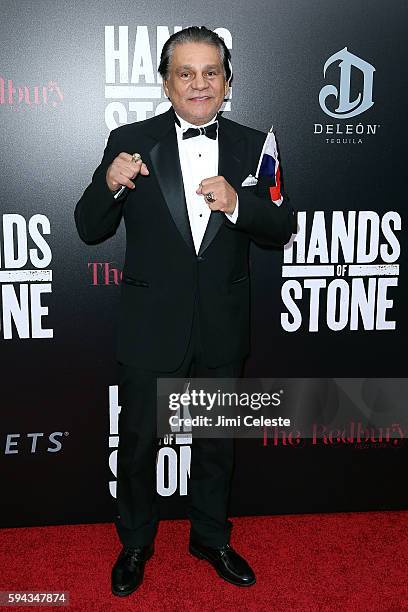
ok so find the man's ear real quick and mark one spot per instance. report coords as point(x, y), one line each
point(166, 89)
point(226, 89)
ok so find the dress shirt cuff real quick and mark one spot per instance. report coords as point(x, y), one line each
point(234, 216)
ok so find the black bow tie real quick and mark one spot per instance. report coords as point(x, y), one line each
point(209, 130)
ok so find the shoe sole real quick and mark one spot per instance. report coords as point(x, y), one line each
point(129, 592)
point(199, 555)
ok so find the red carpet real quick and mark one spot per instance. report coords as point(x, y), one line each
point(348, 562)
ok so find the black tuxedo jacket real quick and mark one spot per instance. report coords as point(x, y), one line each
point(162, 274)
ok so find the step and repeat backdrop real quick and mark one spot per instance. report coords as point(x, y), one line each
point(333, 303)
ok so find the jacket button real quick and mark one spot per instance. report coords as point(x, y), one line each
point(200, 258)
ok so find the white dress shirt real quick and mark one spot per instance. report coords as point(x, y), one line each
point(198, 160)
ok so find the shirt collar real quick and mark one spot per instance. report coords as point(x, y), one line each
point(185, 125)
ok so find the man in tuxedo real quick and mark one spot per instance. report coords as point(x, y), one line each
point(184, 307)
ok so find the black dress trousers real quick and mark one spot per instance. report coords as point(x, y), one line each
point(211, 458)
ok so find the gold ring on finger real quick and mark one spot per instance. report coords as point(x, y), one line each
point(136, 157)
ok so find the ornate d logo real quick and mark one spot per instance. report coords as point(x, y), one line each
point(348, 108)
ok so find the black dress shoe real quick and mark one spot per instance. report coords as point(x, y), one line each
point(227, 563)
point(128, 571)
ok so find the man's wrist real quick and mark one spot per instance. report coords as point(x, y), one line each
point(233, 216)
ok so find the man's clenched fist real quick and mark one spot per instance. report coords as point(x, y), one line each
point(225, 196)
point(122, 170)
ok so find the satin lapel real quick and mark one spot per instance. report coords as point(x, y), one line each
point(229, 166)
point(165, 159)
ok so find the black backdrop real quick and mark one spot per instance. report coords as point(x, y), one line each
point(59, 97)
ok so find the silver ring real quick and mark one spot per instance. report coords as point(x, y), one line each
point(210, 197)
point(136, 157)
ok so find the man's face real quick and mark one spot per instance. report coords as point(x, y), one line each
point(196, 84)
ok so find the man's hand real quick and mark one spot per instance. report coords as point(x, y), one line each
point(122, 170)
point(225, 196)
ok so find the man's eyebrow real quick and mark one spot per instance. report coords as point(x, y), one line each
point(207, 67)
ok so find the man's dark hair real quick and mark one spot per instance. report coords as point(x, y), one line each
point(194, 34)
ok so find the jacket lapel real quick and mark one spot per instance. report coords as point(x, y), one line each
point(229, 165)
point(164, 156)
point(165, 159)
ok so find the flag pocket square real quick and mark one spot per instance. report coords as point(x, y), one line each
point(250, 181)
